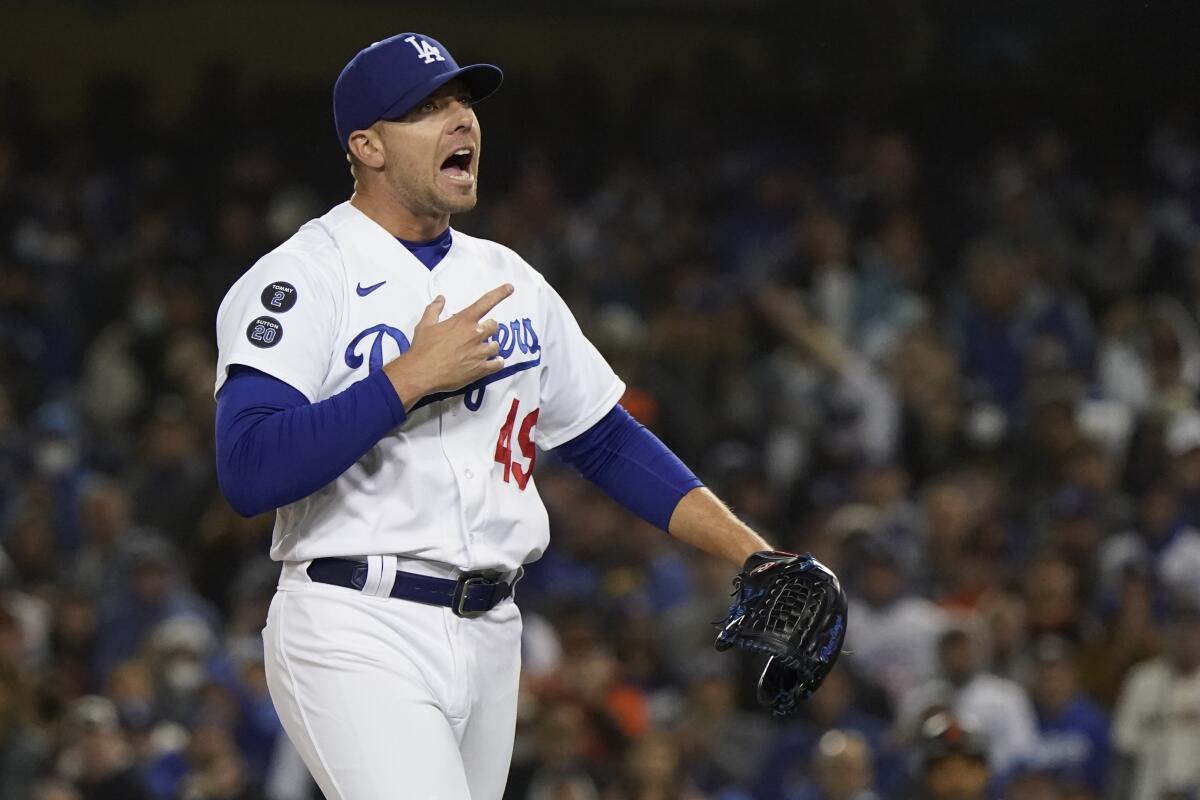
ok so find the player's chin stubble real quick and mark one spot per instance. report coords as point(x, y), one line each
point(429, 199)
point(449, 202)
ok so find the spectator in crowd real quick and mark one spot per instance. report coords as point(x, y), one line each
point(952, 761)
point(72, 639)
point(155, 592)
point(885, 488)
point(98, 758)
point(1007, 631)
point(179, 652)
point(1052, 592)
point(1033, 783)
point(108, 534)
point(889, 301)
point(52, 788)
point(1156, 728)
point(894, 636)
point(24, 750)
point(685, 629)
point(217, 769)
point(173, 483)
point(721, 745)
point(862, 400)
point(29, 545)
point(1131, 634)
point(652, 770)
point(1148, 359)
point(1074, 730)
point(926, 375)
point(1092, 472)
point(1164, 540)
point(843, 768)
point(786, 769)
point(156, 743)
point(590, 674)
point(998, 708)
point(559, 765)
point(950, 519)
point(994, 323)
point(1182, 443)
point(1075, 532)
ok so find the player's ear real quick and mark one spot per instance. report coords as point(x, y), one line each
point(366, 148)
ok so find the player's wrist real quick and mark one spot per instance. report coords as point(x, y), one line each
point(406, 381)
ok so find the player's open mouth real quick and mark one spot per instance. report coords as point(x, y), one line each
point(457, 166)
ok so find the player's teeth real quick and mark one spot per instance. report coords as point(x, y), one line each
point(463, 152)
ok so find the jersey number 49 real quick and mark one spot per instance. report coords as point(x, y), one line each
point(504, 454)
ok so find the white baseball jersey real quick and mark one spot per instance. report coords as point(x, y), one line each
point(454, 482)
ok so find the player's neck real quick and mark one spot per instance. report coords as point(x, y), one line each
point(399, 220)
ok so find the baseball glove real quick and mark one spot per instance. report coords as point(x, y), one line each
point(792, 608)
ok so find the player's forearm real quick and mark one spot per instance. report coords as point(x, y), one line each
point(274, 447)
point(704, 522)
point(631, 465)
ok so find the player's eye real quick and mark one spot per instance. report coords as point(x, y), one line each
point(427, 108)
point(465, 99)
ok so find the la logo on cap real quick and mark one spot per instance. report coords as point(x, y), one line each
point(427, 52)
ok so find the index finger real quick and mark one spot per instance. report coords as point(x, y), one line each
point(486, 303)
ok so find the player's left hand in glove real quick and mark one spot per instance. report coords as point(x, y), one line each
point(792, 608)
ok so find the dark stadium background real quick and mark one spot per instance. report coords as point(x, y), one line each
point(913, 285)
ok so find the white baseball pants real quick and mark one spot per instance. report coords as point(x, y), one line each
point(389, 699)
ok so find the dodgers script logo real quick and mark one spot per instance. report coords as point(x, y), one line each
point(517, 336)
point(375, 362)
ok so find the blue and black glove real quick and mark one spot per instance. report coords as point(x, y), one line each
point(792, 608)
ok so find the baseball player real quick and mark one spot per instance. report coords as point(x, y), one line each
point(385, 382)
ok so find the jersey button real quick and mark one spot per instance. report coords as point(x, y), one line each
point(468, 473)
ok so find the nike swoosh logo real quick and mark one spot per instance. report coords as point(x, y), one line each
point(363, 291)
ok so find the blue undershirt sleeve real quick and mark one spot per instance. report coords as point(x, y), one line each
point(274, 447)
point(631, 465)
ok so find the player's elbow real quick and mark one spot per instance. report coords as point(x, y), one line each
point(240, 469)
point(240, 495)
point(246, 506)
point(243, 493)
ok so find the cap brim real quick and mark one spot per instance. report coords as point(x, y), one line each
point(482, 80)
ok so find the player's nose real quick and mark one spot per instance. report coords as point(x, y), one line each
point(464, 120)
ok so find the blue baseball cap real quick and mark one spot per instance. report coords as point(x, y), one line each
point(389, 78)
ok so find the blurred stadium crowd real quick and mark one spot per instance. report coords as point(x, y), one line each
point(965, 377)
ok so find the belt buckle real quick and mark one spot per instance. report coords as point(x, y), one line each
point(460, 594)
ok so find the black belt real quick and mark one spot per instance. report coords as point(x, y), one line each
point(471, 595)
